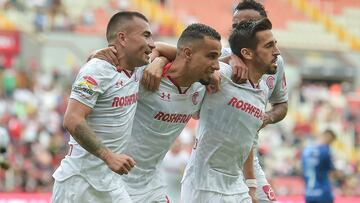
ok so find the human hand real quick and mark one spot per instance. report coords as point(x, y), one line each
point(266, 120)
point(119, 163)
point(153, 74)
point(215, 81)
point(252, 193)
point(239, 69)
point(107, 54)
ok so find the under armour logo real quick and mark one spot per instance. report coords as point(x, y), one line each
point(164, 96)
point(119, 83)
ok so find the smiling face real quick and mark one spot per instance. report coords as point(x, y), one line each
point(139, 43)
point(266, 52)
point(204, 61)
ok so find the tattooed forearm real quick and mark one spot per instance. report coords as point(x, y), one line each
point(86, 137)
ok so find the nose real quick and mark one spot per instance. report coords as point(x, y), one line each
point(151, 44)
point(216, 66)
point(277, 51)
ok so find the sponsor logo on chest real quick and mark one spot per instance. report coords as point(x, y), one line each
point(246, 107)
point(125, 100)
point(172, 117)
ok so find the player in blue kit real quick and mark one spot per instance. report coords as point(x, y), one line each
point(317, 164)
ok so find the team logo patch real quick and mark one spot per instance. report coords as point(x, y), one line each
point(86, 86)
point(270, 82)
point(195, 98)
point(165, 96)
point(269, 192)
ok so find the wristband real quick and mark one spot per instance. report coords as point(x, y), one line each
point(251, 183)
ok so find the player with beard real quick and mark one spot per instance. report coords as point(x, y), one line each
point(230, 120)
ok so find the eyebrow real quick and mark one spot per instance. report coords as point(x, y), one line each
point(214, 53)
point(271, 42)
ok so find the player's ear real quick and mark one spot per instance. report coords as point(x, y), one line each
point(247, 53)
point(187, 53)
point(121, 38)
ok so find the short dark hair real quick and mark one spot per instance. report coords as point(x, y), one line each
point(118, 20)
point(252, 5)
point(244, 34)
point(331, 133)
point(197, 31)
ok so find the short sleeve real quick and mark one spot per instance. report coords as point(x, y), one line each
point(225, 69)
point(280, 93)
point(226, 52)
point(93, 79)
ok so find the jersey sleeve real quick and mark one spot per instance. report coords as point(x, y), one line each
point(93, 79)
point(280, 93)
point(225, 70)
point(140, 71)
point(225, 52)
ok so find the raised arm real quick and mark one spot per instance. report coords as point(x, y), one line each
point(240, 70)
point(164, 49)
point(75, 123)
point(153, 73)
point(107, 54)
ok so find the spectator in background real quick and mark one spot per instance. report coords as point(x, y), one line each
point(173, 166)
point(317, 164)
point(4, 142)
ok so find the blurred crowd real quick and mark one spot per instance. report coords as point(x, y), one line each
point(82, 16)
point(313, 108)
point(32, 104)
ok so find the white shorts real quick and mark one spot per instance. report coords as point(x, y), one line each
point(190, 195)
point(77, 190)
point(153, 196)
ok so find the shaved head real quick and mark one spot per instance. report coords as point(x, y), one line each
point(121, 21)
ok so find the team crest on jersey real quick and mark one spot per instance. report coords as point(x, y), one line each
point(269, 192)
point(270, 82)
point(195, 98)
point(165, 96)
point(86, 86)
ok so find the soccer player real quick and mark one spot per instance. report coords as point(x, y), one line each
point(100, 115)
point(277, 94)
point(162, 115)
point(230, 120)
point(317, 164)
point(275, 86)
